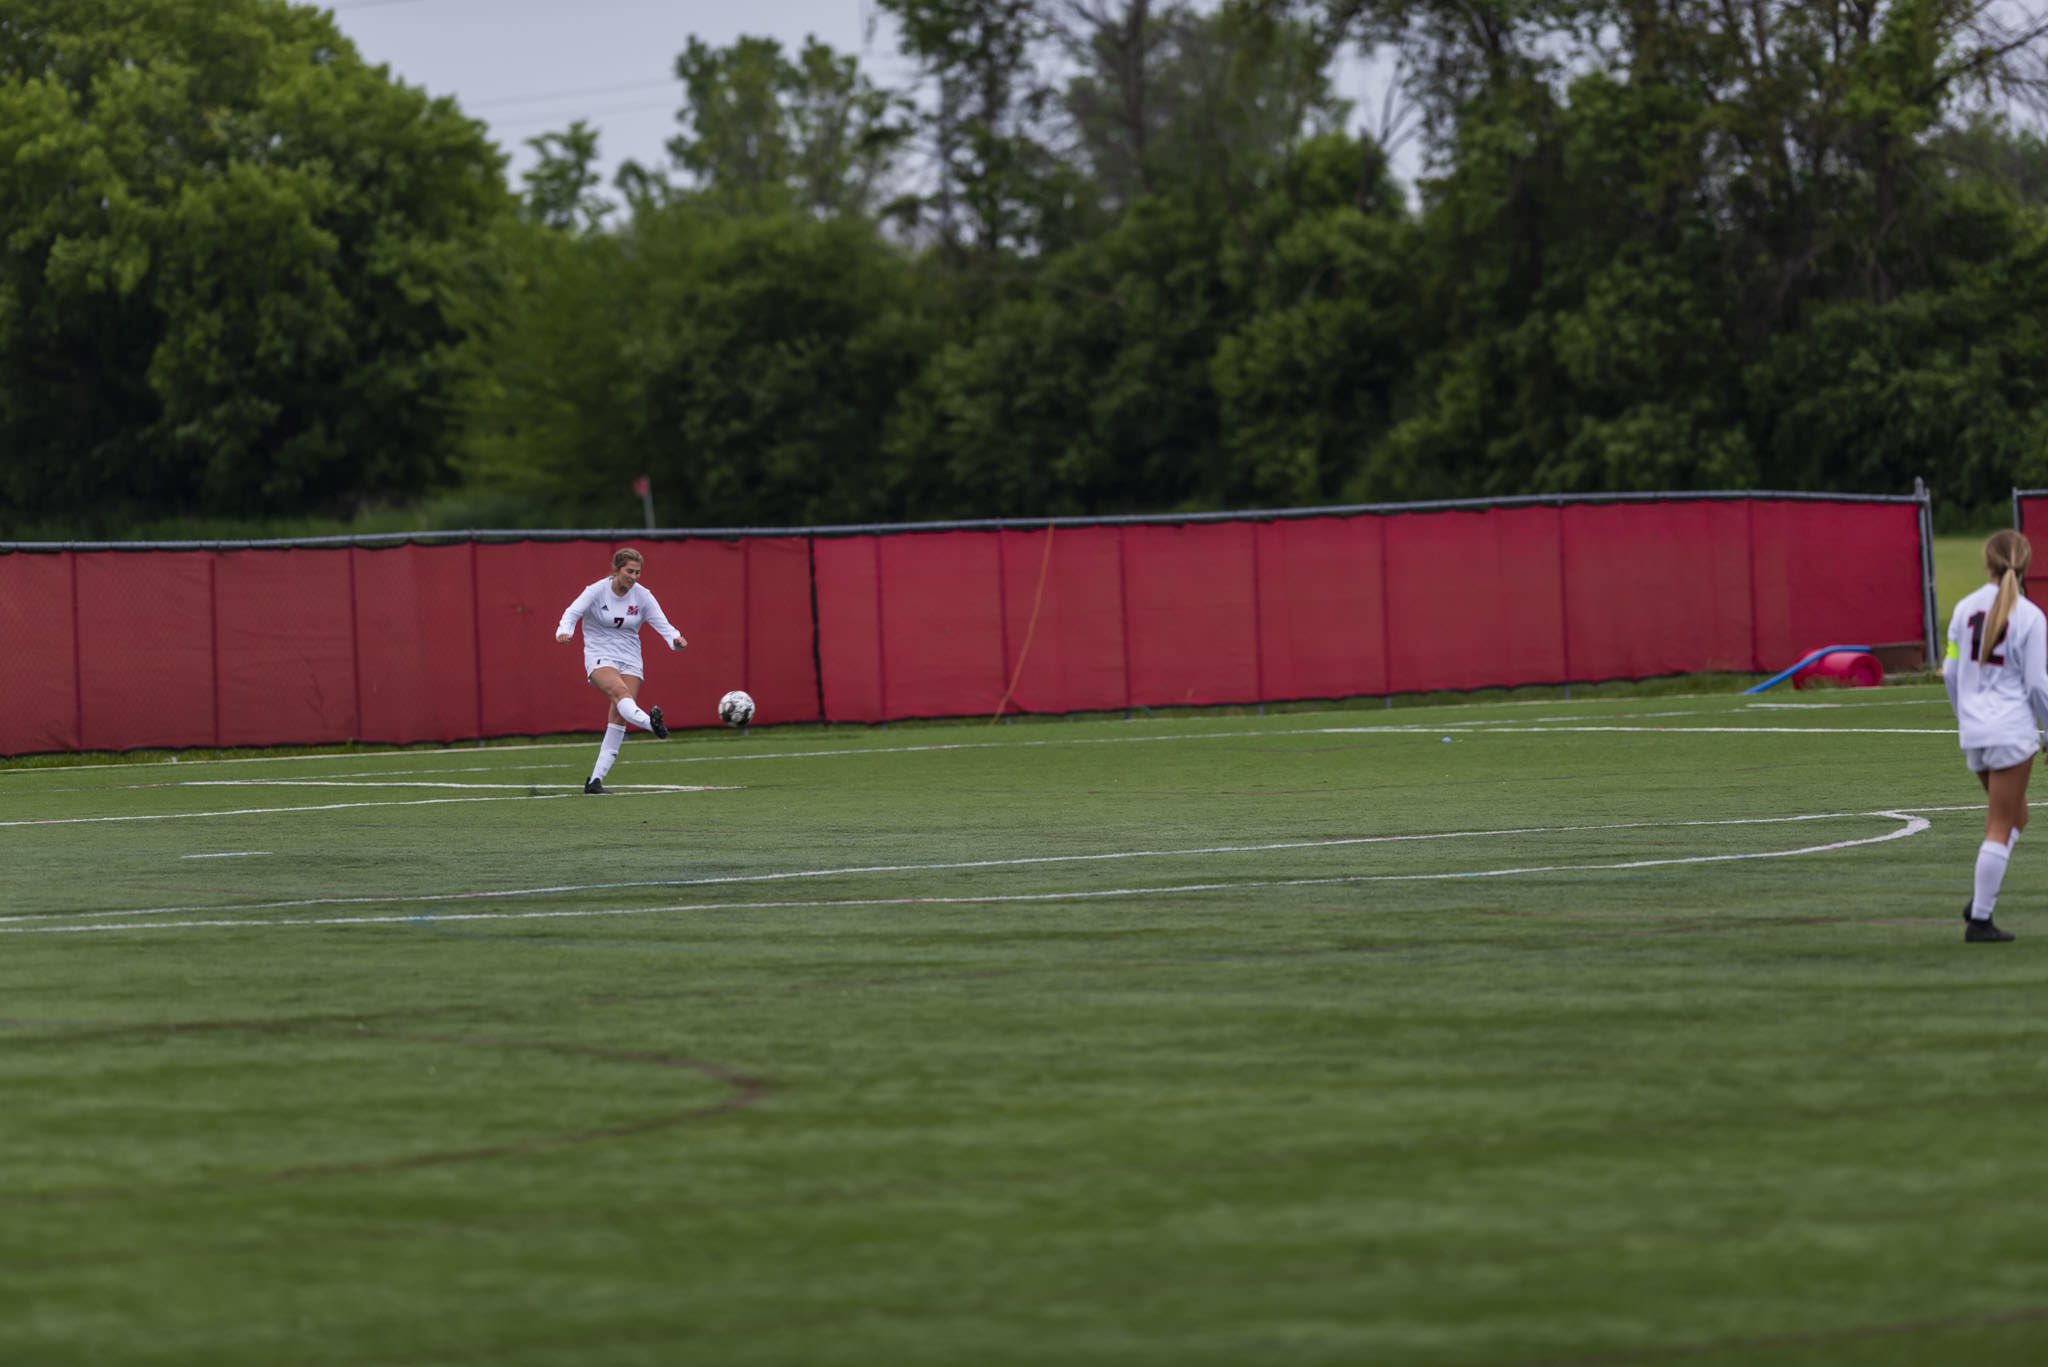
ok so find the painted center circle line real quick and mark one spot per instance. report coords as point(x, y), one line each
point(1910, 824)
point(1019, 861)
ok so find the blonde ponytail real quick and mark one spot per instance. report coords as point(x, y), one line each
point(2006, 556)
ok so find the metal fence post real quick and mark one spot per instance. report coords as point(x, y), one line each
point(1933, 660)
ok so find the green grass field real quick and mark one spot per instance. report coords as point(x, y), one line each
point(1958, 568)
point(1595, 1032)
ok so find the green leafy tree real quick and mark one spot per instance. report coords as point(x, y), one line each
point(545, 380)
point(748, 363)
point(561, 185)
point(1647, 217)
point(1157, 367)
point(1995, 152)
point(1309, 382)
point(1114, 100)
point(1948, 384)
point(763, 133)
point(1088, 395)
point(997, 186)
point(240, 263)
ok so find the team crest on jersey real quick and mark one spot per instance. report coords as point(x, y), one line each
point(633, 610)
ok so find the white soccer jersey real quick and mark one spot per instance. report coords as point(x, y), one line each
point(2005, 700)
point(611, 625)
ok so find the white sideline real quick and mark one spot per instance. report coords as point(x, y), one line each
point(1391, 728)
point(1935, 701)
point(1948, 731)
point(512, 793)
point(656, 788)
point(385, 782)
point(1913, 825)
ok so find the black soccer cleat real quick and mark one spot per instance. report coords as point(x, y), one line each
point(596, 788)
point(1966, 910)
point(1985, 932)
point(656, 724)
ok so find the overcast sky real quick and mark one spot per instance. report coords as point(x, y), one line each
point(528, 67)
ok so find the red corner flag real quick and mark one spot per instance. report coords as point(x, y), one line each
point(643, 486)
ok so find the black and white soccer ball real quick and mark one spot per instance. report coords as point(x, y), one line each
point(736, 708)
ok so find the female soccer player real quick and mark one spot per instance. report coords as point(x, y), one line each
point(612, 611)
point(1997, 678)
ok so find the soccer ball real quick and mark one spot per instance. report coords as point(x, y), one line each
point(736, 708)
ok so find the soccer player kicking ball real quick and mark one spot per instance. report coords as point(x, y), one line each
point(1997, 678)
point(612, 612)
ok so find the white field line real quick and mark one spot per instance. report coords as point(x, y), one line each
point(1913, 825)
point(1936, 700)
point(1399, 728)
point(367, 776)
point(1465, 728)
point(1470, 728)
point(1689, 712)
point(857, 750)
point(1403, 729)
point(654, 789)
point(1452, 728)
point(1473, 727)
point(226, 854)
point(453, 750)
point(1339, 842)
point(373, 782)
point(1022, 861)
point(175, 763)
point(1530, 721)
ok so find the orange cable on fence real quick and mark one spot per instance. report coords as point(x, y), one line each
point(1037, 599)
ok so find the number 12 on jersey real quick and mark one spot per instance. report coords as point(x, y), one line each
point(1976, 621)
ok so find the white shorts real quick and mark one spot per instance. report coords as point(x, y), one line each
point(1989, 757)
point(593, 662)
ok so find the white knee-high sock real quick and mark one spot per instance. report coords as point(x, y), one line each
point(614, 737)
point(2012, 837)
point(632, 712)
point(1991, 858)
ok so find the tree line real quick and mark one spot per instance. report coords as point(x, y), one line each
point(1102, 256)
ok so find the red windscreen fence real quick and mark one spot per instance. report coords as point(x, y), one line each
point(2030, 516)
point(131, 647)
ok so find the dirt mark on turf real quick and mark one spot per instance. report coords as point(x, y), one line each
point(744, 1091)
point(1596, 931)
point(1814, 1338)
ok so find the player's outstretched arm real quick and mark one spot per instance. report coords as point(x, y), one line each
point(566, 628)
point(658, 619)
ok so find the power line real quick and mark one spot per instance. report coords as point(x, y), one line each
point(617, 88)
point(562, 118)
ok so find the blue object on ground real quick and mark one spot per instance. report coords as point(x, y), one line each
point(1828, 650)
